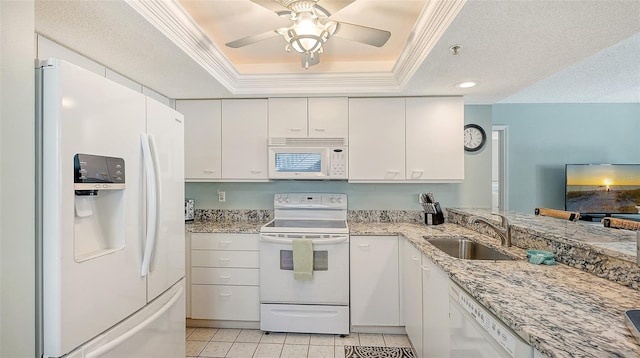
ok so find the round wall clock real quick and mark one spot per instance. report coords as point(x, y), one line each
point(474, 137)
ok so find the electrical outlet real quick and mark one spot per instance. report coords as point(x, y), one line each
point(221, 196)
point(420, 199)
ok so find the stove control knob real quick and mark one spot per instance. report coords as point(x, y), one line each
point(338, 199)
point(333, 199)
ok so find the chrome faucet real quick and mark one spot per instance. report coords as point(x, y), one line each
point(504, 232)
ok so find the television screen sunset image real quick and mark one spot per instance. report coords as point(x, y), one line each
point(603, 188)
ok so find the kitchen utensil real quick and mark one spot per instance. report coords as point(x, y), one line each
point(430, 198)
point(189, 209)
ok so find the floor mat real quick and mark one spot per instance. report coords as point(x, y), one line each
point(377, 352)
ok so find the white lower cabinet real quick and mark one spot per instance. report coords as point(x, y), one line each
point(412, 294)
point(435, 310)
point(375, 290)
point(225, 302)
point(224, 277)
point(425, 292)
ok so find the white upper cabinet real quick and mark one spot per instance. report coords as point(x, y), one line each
point(391, 140)
point(434, 140)
point(244, 140)
point(287, 117)
point(329, 117)
point(415, 139)
point(376, 139)
point(202, 133)
point(312, 117)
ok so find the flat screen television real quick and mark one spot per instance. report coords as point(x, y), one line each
point(602, 189)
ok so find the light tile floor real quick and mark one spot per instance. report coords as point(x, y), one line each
point(252, 343)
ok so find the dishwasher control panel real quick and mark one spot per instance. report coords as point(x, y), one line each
point(500, 333)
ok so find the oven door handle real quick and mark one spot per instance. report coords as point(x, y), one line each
point(284, 240)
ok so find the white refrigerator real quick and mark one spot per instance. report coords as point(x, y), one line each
point(110, 191)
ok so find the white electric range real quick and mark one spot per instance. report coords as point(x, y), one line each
point(319, 305)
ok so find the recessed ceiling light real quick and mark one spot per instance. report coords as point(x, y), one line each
point(466, 84)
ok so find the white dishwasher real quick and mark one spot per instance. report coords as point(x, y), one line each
point(476, 333)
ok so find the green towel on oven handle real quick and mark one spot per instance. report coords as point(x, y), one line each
point(303, 259)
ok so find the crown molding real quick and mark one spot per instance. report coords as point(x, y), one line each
point(173, 22)
point(431, 25)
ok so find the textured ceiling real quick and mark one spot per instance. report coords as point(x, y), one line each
point(518, 51)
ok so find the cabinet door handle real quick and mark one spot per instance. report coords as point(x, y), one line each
point(425, 268)
point(225, 243)
point(417, 173)
point(225, 259)
point(414, 258)
point(225, 277)
point(295, 129)
point(392, 173)
point(225, 294)
point(209, 171)
point(319, 129)
point(363, 245)
point(256, 171)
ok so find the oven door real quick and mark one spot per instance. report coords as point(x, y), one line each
point(330, 283)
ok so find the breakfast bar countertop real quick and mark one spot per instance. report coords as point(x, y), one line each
point(561, 311)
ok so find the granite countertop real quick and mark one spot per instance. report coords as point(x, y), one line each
point(613, 242)
point(238, 227)
point(560, 310)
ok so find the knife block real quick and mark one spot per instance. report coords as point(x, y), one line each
point(434, 219)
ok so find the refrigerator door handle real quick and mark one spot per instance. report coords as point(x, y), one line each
point(120, 339)
point(151, 203)
point(158, 195)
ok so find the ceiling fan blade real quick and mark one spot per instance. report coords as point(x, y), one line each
point(364, 34)
point(272, 5)
point(252, 39)
point(333, 6)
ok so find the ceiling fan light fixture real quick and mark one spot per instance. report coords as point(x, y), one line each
point(307, 34)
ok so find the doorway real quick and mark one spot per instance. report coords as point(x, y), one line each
point(499, 184)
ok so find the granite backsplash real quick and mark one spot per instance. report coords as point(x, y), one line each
point(250, 215)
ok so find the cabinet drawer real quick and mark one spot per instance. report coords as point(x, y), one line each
point(235, 303)
point(215, 258)
point(208, 241)
point(225, 276)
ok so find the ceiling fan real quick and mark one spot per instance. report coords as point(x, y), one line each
point(312, 27)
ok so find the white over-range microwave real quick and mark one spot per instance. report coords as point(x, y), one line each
point(308, 158)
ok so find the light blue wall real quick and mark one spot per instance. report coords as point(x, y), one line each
point(544, 137)
point(474, 192)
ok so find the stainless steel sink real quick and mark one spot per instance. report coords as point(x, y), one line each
point(463, 248)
